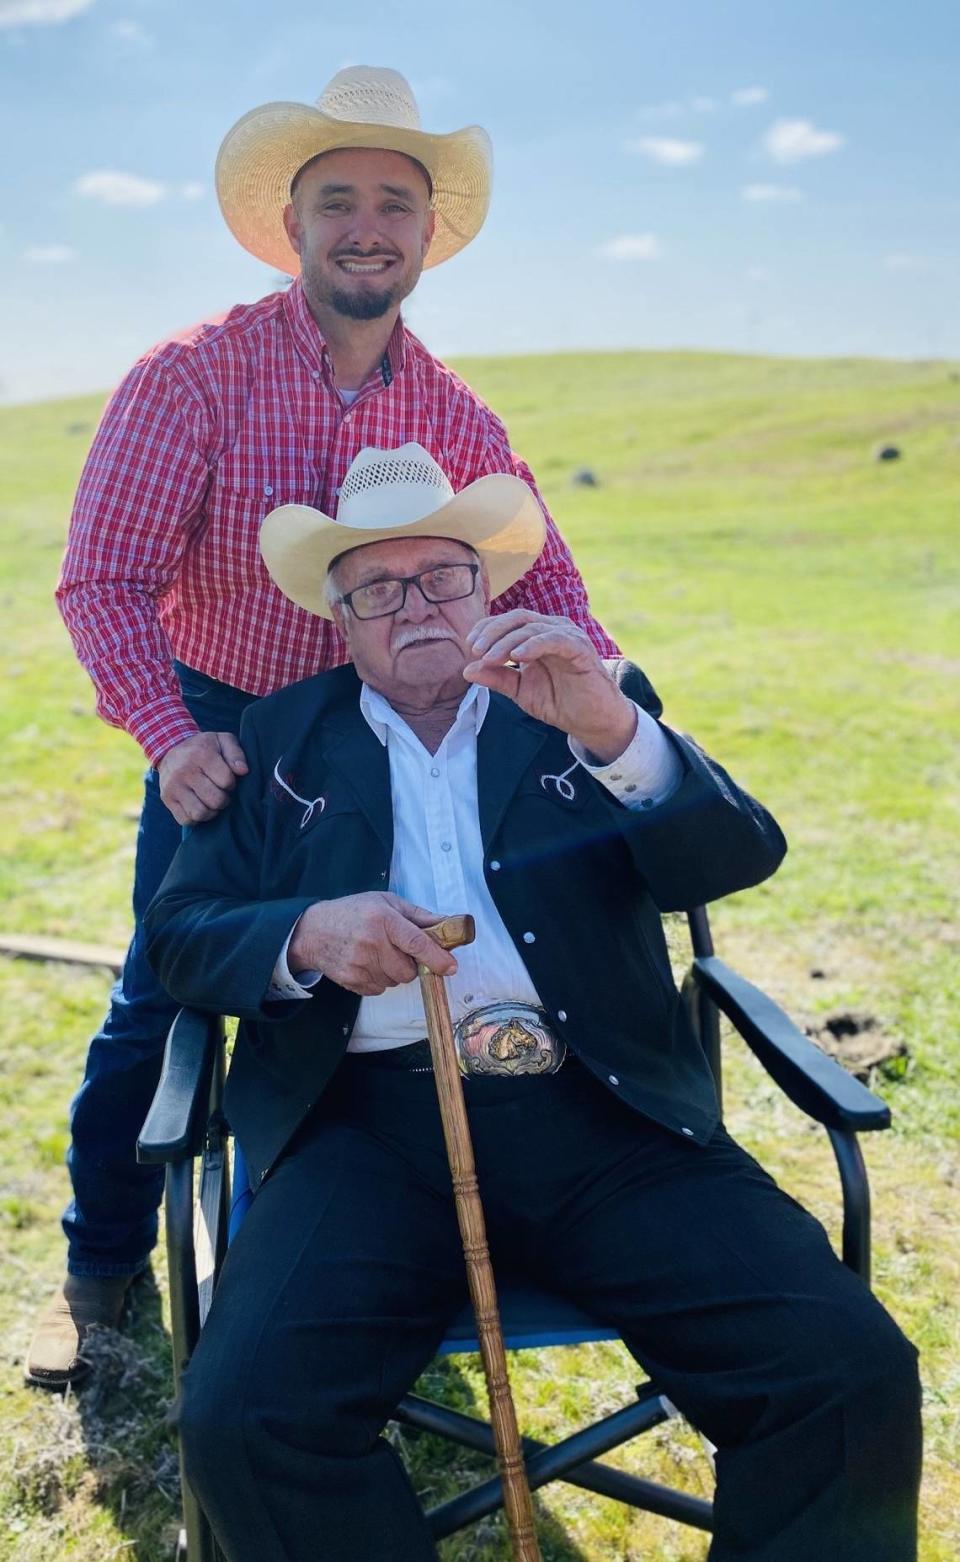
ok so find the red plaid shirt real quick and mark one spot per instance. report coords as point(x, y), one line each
point(202, 438)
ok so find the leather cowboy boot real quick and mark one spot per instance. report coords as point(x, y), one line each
point(55, 1357)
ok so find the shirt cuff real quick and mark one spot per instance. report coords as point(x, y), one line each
point(160, 726)
point(283, 984)
point(647, 772)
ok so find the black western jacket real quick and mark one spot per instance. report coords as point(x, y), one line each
point(586, 876)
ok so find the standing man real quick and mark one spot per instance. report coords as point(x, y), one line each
point(163, 589)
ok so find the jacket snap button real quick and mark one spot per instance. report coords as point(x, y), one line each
point(613, 1079)
point(688, 1132)
point(529, 938)
point(346, 1030)
point(561, 1014)
point(494, 866)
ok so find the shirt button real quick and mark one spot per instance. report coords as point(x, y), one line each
point(616, 776)
point(468, 997)
point(529, 938)
point(631, 787)
point(434, 771)
point(445, 846)
point(647, 802)
point(494, 866)
point(613, 1079)
point(267, 490)
point(315, 374)
point(561, 1014)
point(688, 1132)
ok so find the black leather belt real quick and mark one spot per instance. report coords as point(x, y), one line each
point(414, 1058)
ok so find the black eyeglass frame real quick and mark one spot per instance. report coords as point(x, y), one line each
point(405, 582)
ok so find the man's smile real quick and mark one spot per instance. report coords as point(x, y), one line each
point(364, 266)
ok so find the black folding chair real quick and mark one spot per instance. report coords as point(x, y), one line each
point(186, 1123)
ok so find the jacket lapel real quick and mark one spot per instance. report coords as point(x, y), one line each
point(350, 748)
point(508, 743)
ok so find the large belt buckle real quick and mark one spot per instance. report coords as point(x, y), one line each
point(504, 1040)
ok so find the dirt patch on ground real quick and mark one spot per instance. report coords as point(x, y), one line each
point(857, 1041)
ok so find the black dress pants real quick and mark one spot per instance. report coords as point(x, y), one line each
point(348, 1268)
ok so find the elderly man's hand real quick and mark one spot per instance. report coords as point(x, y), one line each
point(552, 671)
point(367, 943)
point(198, 775)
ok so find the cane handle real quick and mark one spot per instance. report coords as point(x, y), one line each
point(453, 931)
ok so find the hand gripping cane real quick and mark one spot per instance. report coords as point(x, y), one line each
point(449, 934)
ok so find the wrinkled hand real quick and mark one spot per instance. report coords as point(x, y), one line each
point(556, 675)
point(198, 775)
point(367, 943)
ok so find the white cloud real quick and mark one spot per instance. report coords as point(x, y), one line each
point(662, 149)
point(631, 246)
point(49, 254)
point(903, 262)
point(193, 190)
point(116, 189)
point(133, 37)
point(25, 13)
point(784, 194)
point(745, 97)
point(792, 140)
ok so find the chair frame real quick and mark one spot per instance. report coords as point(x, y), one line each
point(186, 1123)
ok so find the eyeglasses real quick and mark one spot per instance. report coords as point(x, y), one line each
point(443, 583)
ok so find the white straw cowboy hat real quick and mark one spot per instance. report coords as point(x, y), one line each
point(362, 106)
point(402, 493)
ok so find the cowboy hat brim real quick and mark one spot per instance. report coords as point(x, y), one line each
point(497, 516)
point(264, 150)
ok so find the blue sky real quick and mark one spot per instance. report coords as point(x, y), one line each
point(763, 175)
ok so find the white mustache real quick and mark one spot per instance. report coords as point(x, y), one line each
point(417, 634)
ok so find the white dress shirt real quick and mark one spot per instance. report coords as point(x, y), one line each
point(437, 858)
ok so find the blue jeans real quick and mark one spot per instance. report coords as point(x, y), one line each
point(111, 1221)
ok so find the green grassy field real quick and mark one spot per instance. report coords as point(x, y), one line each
point(796, 603)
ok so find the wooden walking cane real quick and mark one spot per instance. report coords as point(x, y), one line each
point(449, 934)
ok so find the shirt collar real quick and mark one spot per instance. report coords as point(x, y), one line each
point(309, 339)
point(380, 715)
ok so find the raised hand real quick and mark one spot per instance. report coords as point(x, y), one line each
point(549, 667)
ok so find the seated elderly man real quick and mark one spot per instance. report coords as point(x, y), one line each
point(493, 765)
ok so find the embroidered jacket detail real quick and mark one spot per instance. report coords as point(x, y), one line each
point(308, 806)
point(560, 782)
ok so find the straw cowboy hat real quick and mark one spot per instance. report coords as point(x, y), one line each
point(362, 106)
point(402, 493)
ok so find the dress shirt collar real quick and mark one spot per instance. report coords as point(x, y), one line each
point(379, 714)
point(310, 344)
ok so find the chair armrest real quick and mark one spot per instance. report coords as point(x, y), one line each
point(811, 1079)
point(177, 1119)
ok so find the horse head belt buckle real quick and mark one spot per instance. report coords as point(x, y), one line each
point(504, 1040)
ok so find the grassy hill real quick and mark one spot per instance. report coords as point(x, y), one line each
point(796, 603)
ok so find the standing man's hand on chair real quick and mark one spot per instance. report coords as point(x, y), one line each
point(198, 775)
